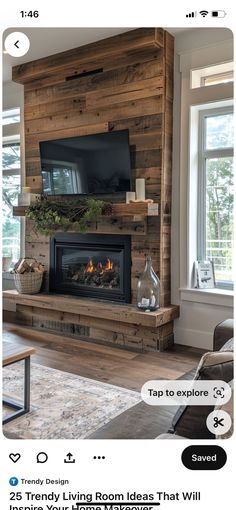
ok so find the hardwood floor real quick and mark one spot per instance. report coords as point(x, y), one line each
point(108, 364)
point(114, 366)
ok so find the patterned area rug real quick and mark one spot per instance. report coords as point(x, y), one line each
point(63, 406)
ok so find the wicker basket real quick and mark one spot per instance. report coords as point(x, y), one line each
point(28, 283)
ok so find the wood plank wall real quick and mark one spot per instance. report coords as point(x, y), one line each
point(132, 89)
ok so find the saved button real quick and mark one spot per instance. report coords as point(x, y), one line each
point(204, 457)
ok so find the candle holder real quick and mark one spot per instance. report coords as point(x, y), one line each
point(130, 196)
point(26, 197)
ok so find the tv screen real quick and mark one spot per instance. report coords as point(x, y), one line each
point(91, 164)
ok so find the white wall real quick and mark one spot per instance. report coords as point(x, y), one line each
point(199, 311)
point(13, 95)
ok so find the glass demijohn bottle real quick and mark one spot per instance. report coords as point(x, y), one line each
point(148, 289)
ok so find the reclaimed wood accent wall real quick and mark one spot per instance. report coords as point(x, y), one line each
point(124, 82)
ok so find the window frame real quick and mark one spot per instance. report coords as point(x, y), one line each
point(10, 140)
point(203, 155)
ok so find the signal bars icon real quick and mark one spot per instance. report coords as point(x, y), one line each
point(191, 14)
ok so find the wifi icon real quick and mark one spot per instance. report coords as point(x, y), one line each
point(204, 13)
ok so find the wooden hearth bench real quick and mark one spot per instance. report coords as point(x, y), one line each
point(102, 321)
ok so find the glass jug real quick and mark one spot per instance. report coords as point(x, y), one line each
point(148, 289)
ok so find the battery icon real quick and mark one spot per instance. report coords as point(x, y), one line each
point(218, 14)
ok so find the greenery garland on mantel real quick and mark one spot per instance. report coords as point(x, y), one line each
point(68, 214)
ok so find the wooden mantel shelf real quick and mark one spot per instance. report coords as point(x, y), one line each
point(93, 308)
point(135, 209)
point(142, 209)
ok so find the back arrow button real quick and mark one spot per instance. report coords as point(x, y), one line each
point(17, 44)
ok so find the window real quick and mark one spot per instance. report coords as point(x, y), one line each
point(11, 116)
point(215, 192)
point(58, 176)
point(215, 79)
point(213, 75)
point(11, 181)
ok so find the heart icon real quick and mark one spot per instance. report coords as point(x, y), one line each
point(15, 457)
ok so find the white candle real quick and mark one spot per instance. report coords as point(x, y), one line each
point(130, 195)
point(140, 189)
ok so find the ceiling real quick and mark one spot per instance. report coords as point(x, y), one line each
point(45, 42)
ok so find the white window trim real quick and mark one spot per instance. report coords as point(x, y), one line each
point(203, 155)
point(217, 297)
point(190, 98)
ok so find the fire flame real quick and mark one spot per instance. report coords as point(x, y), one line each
point(90, 268)
point(108, 265)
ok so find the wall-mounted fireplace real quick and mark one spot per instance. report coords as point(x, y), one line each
point(91, 265)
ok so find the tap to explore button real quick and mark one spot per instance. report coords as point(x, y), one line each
point(182, 392)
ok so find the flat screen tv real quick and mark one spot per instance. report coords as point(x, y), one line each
point(87, 165)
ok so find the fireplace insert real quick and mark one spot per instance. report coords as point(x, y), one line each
point(91, 265)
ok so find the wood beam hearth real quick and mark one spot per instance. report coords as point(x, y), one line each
point(121, 325)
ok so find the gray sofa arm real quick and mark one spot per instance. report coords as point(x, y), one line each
point(223, 332)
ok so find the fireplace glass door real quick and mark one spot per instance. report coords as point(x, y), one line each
point(91, 265)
